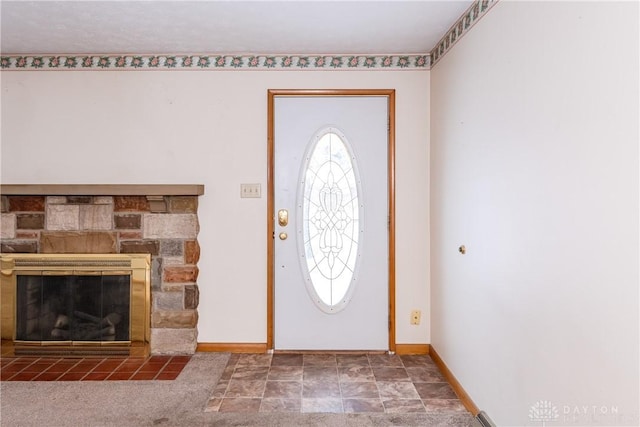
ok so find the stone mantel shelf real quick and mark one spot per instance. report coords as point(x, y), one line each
point(102, 189)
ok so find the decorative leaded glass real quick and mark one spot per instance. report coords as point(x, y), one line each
point(330, 225)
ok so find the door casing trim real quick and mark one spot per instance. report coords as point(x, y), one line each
point(271, 95)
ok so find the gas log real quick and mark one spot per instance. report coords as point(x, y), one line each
point(84, 326)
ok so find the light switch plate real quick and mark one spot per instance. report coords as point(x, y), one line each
point(250, 191)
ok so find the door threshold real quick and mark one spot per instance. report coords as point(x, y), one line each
point(331, 351)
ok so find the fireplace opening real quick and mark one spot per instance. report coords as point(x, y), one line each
point(76, 304)
point(73, 307)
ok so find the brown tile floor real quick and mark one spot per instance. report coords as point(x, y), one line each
point(91, 369)
point(339, 383)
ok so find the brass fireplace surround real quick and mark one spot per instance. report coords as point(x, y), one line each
point(137, 266)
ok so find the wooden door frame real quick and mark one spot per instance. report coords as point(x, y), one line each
point(391, 98)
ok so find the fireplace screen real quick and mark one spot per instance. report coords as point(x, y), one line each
point(76, 303)
point(73, 307)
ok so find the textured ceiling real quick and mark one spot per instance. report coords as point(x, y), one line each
point(225, 27)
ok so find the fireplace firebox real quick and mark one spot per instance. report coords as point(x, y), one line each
point(76, 304)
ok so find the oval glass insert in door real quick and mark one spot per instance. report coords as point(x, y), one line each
point(329, 218)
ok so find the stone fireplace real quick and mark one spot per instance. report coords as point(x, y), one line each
point(158, 220)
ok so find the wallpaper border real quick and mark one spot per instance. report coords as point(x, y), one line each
point(214, 62)
point(476, 11)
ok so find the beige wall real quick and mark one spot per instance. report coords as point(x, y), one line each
point(209, 127)
point(535, 169)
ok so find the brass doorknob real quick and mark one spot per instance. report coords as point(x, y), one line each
point(283, 236)
point(283, 217)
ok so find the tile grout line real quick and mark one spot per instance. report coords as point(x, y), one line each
point(113, 372)
point(159, 370)
point(59, 375)
point(25, 367)
point(340, 387)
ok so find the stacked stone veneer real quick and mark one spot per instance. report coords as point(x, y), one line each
point(121, 224)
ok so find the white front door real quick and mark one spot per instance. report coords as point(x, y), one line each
point(331, 213)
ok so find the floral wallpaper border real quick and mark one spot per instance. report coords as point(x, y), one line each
point(216, 62)
point(478, 9)
point(254, 62)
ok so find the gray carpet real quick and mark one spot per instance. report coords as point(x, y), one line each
point(168, 403)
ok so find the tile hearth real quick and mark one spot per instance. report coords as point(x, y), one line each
point(336, 383)
point(92, 368)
